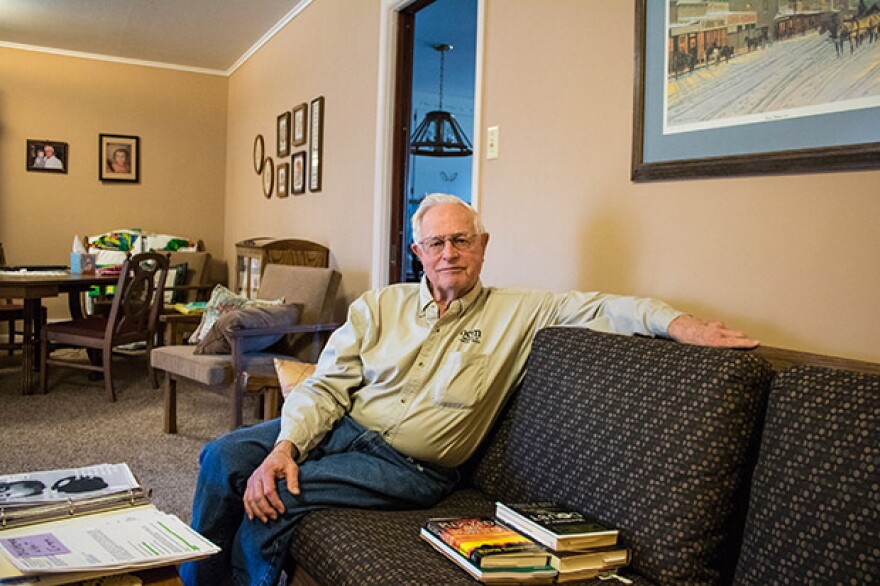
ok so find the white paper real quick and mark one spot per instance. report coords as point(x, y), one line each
point(78, 245)
point(69, 484)
point(132, 538)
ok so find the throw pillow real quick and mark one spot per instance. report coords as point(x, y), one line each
point(219, 337)
point(291, 373)
point(221, 301)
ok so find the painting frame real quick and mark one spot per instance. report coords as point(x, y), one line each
point(35, 158)
point(268, 177)
point(282, 129)
point(316, 143)
point(298, 173)
point(282, 179)
point(299, 125)
point(858, 156)
point(119, 158)
point(259, 154)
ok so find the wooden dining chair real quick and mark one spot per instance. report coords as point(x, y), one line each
point(132, 318)
point(12, 313)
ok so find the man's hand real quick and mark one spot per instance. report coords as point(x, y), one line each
point(690, 330)
point(261, 496)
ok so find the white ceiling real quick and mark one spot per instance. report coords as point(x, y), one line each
point(210, 35)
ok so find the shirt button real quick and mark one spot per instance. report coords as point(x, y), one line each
point(403, 400)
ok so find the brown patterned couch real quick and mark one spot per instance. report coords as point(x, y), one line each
point(716, 468)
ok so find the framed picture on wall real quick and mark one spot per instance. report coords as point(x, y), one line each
point(119, 157)
point(46, 156)
point(775, 96)
point(299, 124)
point(284, 134)
point(259, 153)
point(268, 176)
point(316, 142)
point(282, 180)
point(298, 176)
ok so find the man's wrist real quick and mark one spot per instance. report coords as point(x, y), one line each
point(286, 447)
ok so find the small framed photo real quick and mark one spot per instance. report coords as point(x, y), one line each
point(259, 153)
point(316, 142)
point(282, 180)
point(268, 176)
point(284, 134)
point(299, 124)
point(119, 158)
point(298, 176)
point(47, 156)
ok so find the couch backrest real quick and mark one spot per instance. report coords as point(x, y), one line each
point(655, 438)
point(814, 515)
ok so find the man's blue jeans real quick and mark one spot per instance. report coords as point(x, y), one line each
point(351, 467)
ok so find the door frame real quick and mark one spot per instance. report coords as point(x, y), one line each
point(388, 127)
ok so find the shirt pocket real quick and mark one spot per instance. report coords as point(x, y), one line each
point(461, 381)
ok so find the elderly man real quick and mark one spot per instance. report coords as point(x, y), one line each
point(403, 394)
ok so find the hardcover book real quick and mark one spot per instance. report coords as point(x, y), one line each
point(487, 543)
point(605, 559)
point(503, 575)
point(558, 527)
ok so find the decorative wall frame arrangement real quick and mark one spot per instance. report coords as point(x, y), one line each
point(268, 176)
point(316, 142)
point(283, 132)
point(298, 176)
point(818, 136)
point(259, 153)
point(119, 158)
point(46, 156)
point(300, 114)
point(282, 180)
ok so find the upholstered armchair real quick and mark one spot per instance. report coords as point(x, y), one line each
point(312, 290)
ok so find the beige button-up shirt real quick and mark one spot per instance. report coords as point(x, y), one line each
point(432, 385)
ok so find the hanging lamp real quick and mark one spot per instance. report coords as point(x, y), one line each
point(439, 134)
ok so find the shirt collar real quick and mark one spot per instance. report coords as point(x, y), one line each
point(428, 307)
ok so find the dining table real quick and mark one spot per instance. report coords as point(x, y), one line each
point(32, 285)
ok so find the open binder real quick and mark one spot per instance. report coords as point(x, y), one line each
point(61, 525)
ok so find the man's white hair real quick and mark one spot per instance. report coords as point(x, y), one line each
point(435, 199)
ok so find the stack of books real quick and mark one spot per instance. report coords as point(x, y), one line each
point(489, 551)
point(580, 547)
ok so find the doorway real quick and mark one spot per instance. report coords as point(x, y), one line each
point(436, 73)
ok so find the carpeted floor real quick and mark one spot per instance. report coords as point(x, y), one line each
point(74, 425)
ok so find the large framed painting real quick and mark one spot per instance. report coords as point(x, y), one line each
point(756, 88)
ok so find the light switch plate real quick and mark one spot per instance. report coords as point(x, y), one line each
point(492, 142)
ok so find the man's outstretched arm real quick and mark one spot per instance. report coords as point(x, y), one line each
point(688, 329)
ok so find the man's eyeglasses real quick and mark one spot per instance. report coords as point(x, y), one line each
point(434, 245)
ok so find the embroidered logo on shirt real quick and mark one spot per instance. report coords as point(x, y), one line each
point(468, 336)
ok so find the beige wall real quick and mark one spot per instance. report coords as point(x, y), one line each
point(794, 260)
point(180, 119)
point(330, 49)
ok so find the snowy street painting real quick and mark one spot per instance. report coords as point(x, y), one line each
point(727, 67)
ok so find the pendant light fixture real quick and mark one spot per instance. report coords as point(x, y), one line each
point(439, 134)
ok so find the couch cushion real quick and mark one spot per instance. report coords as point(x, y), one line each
point(813, 516)
point(650, 436)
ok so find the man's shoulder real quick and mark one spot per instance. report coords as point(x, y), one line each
point(515, 293)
